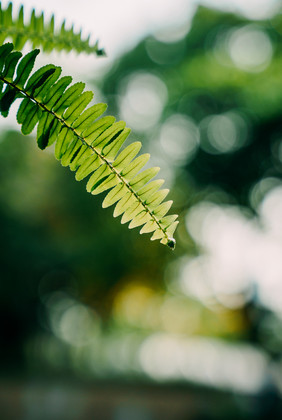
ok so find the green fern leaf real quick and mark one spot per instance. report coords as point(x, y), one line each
point(76, 108)
point(126, 156)
point(68, 97)
point(134, 167)
point(155, 199)
point(139, 220)
point(115, 195)
point(89, 146)
point(141, 179)
point(25, 67)
point(56, 92)
point(89, 116)
point(88, 166)
point(97, 128)
point(64, 138)
point(42, 34)
point(8, 97)
point(4, 51)
point(10, 64)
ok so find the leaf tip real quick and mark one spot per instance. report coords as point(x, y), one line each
point(171, 243)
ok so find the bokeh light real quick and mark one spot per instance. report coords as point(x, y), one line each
point(223, 133)
point(250, 48)
point(143, 97)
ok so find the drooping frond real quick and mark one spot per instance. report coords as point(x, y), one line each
point(42, 34)
point(85, 141)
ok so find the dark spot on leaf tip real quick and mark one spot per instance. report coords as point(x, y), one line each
point(171, 243)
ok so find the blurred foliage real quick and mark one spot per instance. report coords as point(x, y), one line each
point(202, 80)
point(210, 113)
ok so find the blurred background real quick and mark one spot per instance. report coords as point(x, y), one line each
point(97, 322)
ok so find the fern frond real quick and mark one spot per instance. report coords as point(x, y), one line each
point(86, 141)
point(42, 34)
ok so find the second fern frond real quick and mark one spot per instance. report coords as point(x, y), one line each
point(42, 34)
